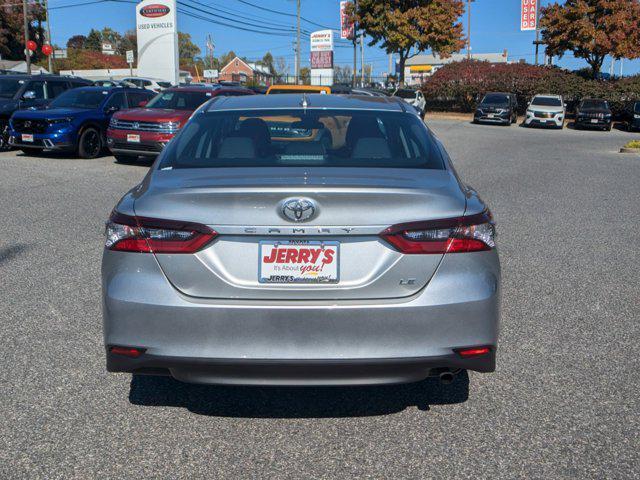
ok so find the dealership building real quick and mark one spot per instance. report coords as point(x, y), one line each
point(418, 68)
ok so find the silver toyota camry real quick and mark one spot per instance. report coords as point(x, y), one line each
point(301, 240)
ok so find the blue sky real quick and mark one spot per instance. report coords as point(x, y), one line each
point(495, 27)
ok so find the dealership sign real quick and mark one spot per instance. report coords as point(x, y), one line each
point(322, 57)
point(155, 10)
point(528, 14)
point(346, 27)
point(157, 40)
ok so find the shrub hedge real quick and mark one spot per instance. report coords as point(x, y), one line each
point(459, 86)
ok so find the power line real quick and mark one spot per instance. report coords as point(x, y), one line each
point(254, 19)
point(186, 5)
point(286, 14)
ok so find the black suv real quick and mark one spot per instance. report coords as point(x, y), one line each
point(631, 116)
point(497, 107)
point(18, 92)
point(593, 113)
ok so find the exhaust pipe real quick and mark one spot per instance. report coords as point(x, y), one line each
point(446, 378)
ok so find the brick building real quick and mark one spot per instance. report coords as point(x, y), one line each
point(237, 70)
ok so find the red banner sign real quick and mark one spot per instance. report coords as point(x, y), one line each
point(346, 27)
point(528, 15)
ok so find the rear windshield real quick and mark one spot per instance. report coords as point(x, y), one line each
point(495, 98)
point(9, 87)
point(79, 98)
point(599, 104)
point(547, 102)
point(296, 90)
point(179, 100)
point(298, 138)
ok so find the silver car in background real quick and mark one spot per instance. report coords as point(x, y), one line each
point(546, 111)
point(301, 240)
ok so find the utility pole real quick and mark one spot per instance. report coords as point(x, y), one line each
point(469, 29)
point(295, 64)
point(298, 46)
point(49, 57)
point(27, 52)
point(355, 49)
point(362, 59)
point(537, 42)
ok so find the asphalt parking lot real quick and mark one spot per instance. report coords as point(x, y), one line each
point(563, 403)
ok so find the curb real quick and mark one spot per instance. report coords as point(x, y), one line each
point(630, 150)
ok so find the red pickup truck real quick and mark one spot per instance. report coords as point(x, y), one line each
point(145, 131)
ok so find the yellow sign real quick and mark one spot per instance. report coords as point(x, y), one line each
point(420, 68)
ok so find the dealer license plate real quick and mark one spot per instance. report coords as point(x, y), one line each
point(27, 137)
point(594, 120)
point(133, 138)
point(299, 261)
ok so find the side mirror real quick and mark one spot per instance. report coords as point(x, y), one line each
point(29, 95)
point(143, 103)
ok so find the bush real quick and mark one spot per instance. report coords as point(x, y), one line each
point(88, 59)
point(633, 144)
point(459, 86)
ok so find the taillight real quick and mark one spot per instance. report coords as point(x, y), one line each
point(150, 235)
point(473, 233)
point(472, 352)
point(131, 352)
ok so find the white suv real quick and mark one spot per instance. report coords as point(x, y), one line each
point(546, 110)
point(153, 84)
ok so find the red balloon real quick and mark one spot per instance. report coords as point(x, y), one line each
point(31, 45)
point(47, 49)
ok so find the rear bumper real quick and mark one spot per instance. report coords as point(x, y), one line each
point(300, 342)
point(297, 372)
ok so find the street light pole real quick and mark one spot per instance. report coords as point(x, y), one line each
point(362, 59)
point(27, 52)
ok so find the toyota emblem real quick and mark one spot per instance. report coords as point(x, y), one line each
point(299, 209)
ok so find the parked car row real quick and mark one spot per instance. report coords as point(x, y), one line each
point(551, 111)
point(56, 113)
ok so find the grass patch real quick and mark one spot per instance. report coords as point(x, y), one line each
point(633, 144)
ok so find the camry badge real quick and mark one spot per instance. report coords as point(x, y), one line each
point(298, 209)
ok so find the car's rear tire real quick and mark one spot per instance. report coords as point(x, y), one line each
point(90, 144)
point(126, 159)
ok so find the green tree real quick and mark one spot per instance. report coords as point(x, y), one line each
point(187, 49)
point(226, 58)
point(268, 61)
point(407, 27)
point(94, 41)
point(592, 29)
point(129, 42)
point(305, 75)
point(76, 42)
